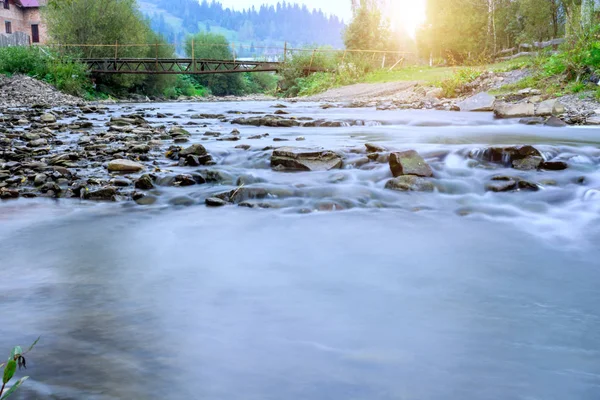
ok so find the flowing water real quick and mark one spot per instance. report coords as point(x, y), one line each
point(341, 290)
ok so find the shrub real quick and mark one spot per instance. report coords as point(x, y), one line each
point(451, 86)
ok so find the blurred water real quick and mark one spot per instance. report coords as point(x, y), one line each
point(376, 302)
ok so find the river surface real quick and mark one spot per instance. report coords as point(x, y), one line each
point(341, 290)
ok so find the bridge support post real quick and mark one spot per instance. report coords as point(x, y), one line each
point(193, 59)
point(285, 52)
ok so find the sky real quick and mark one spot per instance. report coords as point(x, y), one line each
point(406, 14)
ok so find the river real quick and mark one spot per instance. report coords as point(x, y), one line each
point(457, 294)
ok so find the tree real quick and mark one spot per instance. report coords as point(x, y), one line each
point(368, 30)
point(211, 46)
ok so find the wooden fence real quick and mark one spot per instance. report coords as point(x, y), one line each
point(525, 49)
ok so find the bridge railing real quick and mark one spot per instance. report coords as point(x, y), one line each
point(377, 58)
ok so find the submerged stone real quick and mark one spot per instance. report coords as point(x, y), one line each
point(410, 183)
point(302, 159)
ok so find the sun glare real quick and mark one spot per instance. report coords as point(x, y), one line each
point(406, 14)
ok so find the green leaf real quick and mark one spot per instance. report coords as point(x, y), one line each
point(9, 371)
point(15, 351)
point(33, 344)
point(14, 387)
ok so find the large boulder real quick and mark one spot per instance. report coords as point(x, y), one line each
point(410, 183)
point(195, 149)
point(302, 159)
point(549, 107)
point(507, 110)
point(409, 163)
point(48, 118)
point(507, 155)
point(122, 165)
point(480, 102)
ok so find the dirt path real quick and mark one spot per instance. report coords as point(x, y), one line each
point(365, 91)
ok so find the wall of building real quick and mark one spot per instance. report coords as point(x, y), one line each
point(21, 20)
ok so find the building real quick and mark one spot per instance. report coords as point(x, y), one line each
point(23, 16)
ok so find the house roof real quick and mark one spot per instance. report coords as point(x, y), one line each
point(28, 3)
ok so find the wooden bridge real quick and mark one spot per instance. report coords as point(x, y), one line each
point(169, 66)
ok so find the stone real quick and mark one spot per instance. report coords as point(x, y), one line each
point(373, 148)
point(122, 165)
point(6, 194)
point(555, 122)
point(120, 182)
point(593, 120)
point(502, 186)
point(211, 133)
point(194, 161)
point(37, 143)
point(528, 163)
point(410, 183)
point(409, 163)
point(549, 107)
point(303, 159)
point(107, 193)
point(182, 201)
point(48, 118)
point(506, 155)
point(300, 138)
point(144, 182)
point(215, 202)
point(184, 180)
point(480, 102)
point(435, 93)
point(146, 200)
point(554, 165)
point(507, 110)
point(532, 121)
point(40, 179)
point(195, 149)
point(243, 146)
point(140, 148)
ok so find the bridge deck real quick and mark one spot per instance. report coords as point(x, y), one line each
point(176, 66)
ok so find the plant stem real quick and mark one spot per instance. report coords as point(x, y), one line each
point(2, 388)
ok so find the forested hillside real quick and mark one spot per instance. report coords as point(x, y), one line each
point(262, 27)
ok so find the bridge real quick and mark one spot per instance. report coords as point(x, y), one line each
point(116, 59)
point(170, 66)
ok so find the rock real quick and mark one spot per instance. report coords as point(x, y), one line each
point(555, 122)
point(507, 110)
point(40, 179)
point(409, 163)
point(107, 193)
point(280, 112)
point(146, 200)
point(506, 155)
point(194, 161)
point(195, 149)
point(215, 202)
point(300, 138)
point(410, 183)
point(554, 165)
point(435, 93)
point(480, 102)
point(184, 180)
point(183, 201)
point(140, 148)
point(302, 159)
point(144, 182)
point(37, 143)
point(248, 180)
point(264, 135)
point(373, 148)
point(6, 194)
point(120, 182)
point(593, 120)
point(243, 146)
point(211, 133)
point(532, 121)
point(502, 186)
point(122, 165)
point(218, 176)
point(48, 118)
point(528, 163)
point(549, 107)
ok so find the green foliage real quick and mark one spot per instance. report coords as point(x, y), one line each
point(260, 82)
point(16, 358)
point(368, 30)
point(64, 73)
point(211, 46)
point(458, 79)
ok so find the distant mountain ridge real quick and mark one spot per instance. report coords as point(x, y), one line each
point(251, 29)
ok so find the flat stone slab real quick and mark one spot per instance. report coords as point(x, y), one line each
point(303, 159)
point(480, 102)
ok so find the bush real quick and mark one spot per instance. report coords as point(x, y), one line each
point(458, 79)
point(62, 72)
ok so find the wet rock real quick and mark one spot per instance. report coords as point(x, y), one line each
point(144, 182)
point(593, 120)
point(48, 118)
point(532, 121)
point(506, 155)
point(184, 180)
point(502, 186)
point(555, 122)
point(37, 143)
point(122, 165)
point(194, 161)
point(51, 189)
point(212, 134)
point(554, 165)
point(140, 148)
point(243, 146)
point(300, 138)
point(507, 110)
point(248, 180)
point(195, 149)
point(120, 182)
point(107, 193)
point(6, 193)
point(528, 163)
point(182, 201)
point(230, 138)
point(145, 200)
point(40, 179)
point(218, 176)
point(526, 185)
point(410, 183)
point(480, 102)
point(302, 159)
point(549, 107)
point(373, 148)
point(215, 202)
point(264, 135)
point(409, 163)
point(280, 112)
